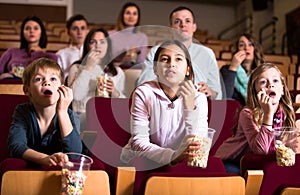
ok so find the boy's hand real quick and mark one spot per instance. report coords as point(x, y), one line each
point(65, 98)
point(55, 159)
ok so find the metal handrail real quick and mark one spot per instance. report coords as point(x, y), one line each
point(236, 25)
point(272, 24)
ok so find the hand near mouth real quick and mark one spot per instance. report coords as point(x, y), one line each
point(188, 91)
point(92, 59)
point(65, 98)
point(237, 59)
point(265, 101)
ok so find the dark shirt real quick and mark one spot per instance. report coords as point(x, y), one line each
point(24, 133)
point(228, 77)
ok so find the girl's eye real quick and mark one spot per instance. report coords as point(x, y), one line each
point(241, 45)
point(251, 45)
point(276, 81)
point(164, 59)
point(179, 59)
point(36, 28)
point(102, 42)
point(263, 82)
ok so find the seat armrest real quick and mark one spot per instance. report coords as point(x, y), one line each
point(253, 181)
point(125, 180)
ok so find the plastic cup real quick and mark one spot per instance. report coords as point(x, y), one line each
point(205, 139)
point(74, 173)
point(102, 92)
point(18, 69)
point(286, 144)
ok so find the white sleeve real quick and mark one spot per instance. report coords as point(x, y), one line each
point(139, 143)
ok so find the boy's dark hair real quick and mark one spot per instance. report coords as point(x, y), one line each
point(74, 18)
point(179, 9)
point(43, 40)
point(41, 63)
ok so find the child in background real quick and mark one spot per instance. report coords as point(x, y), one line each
point(268, 106)
point(45, 128)
point(167, 111)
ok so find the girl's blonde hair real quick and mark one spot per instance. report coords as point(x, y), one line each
point(285, 101)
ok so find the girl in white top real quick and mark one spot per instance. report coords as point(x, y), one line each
point(166, 112)
point(95, 61)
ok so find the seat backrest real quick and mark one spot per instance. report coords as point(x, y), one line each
point(291, 191)
point(206, 184)
point(222, 116)
point(49, 183)
point(277, 176)
point(16, 89)
point(8, 104)
point(110, 117)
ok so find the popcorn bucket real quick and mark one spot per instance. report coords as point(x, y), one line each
point(102, 79)
point(205, 139)
point(286, 143)
point(74, 173)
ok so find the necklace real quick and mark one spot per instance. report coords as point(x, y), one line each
point(172, 99)
point(172, 105)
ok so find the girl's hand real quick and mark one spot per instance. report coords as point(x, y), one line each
point(55, 159)
point(237, 60)
point(110, 86)
point(65, 98)
point(188, 91)
point(185, 149)
point(92, 59)
point(266, 103)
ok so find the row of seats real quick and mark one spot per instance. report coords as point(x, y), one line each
point(109, 130)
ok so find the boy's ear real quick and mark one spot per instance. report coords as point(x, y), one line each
point(25, 90)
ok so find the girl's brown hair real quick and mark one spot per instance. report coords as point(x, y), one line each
point(258, 50)
point(185, 51)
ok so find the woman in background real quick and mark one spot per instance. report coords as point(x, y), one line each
point(83, 75)
point(129, 46)
point(33, 43)
point(247, 56)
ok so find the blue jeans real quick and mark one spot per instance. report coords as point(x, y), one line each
point(232, 167)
